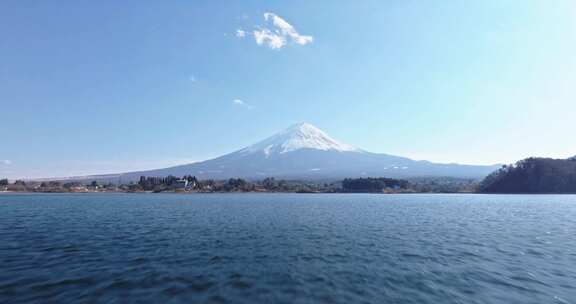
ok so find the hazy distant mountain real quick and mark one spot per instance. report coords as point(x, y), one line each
point(305, 152)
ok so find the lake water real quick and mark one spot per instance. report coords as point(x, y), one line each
point(287, 248)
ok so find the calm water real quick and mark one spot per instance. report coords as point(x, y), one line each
point(287, 248)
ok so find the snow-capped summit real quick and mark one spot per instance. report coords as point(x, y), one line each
point(296, 137)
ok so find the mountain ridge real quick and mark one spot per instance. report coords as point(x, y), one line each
point(303, 151)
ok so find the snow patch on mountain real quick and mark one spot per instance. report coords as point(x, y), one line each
point(296, 137)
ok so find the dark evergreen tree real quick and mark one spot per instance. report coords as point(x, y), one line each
point(372, 184)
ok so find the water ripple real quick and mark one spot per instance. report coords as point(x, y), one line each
point(286, 248)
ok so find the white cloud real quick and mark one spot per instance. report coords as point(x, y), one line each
point(265, 36)
point(277, 33)
point(6, 162)
point(192, 78)
point(287, 29)
point(240, 33)
point(240, 102)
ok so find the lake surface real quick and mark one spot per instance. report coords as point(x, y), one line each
point(287, 248)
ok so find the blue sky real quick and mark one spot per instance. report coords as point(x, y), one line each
point(105, 86)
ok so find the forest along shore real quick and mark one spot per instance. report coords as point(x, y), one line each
point(190, 184)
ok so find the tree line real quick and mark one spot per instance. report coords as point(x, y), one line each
point(189, 183)
point(371, 184)
point(533, 175)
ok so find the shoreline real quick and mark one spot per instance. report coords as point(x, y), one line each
point(271, 192)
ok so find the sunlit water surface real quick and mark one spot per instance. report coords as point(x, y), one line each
point(287, 248)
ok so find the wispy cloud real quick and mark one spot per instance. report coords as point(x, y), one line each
point(276, 34)
point(192, 78)
point(240, 33)
point(6, 162)
point(240, 102)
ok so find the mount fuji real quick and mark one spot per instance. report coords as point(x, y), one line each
point(305, 152)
